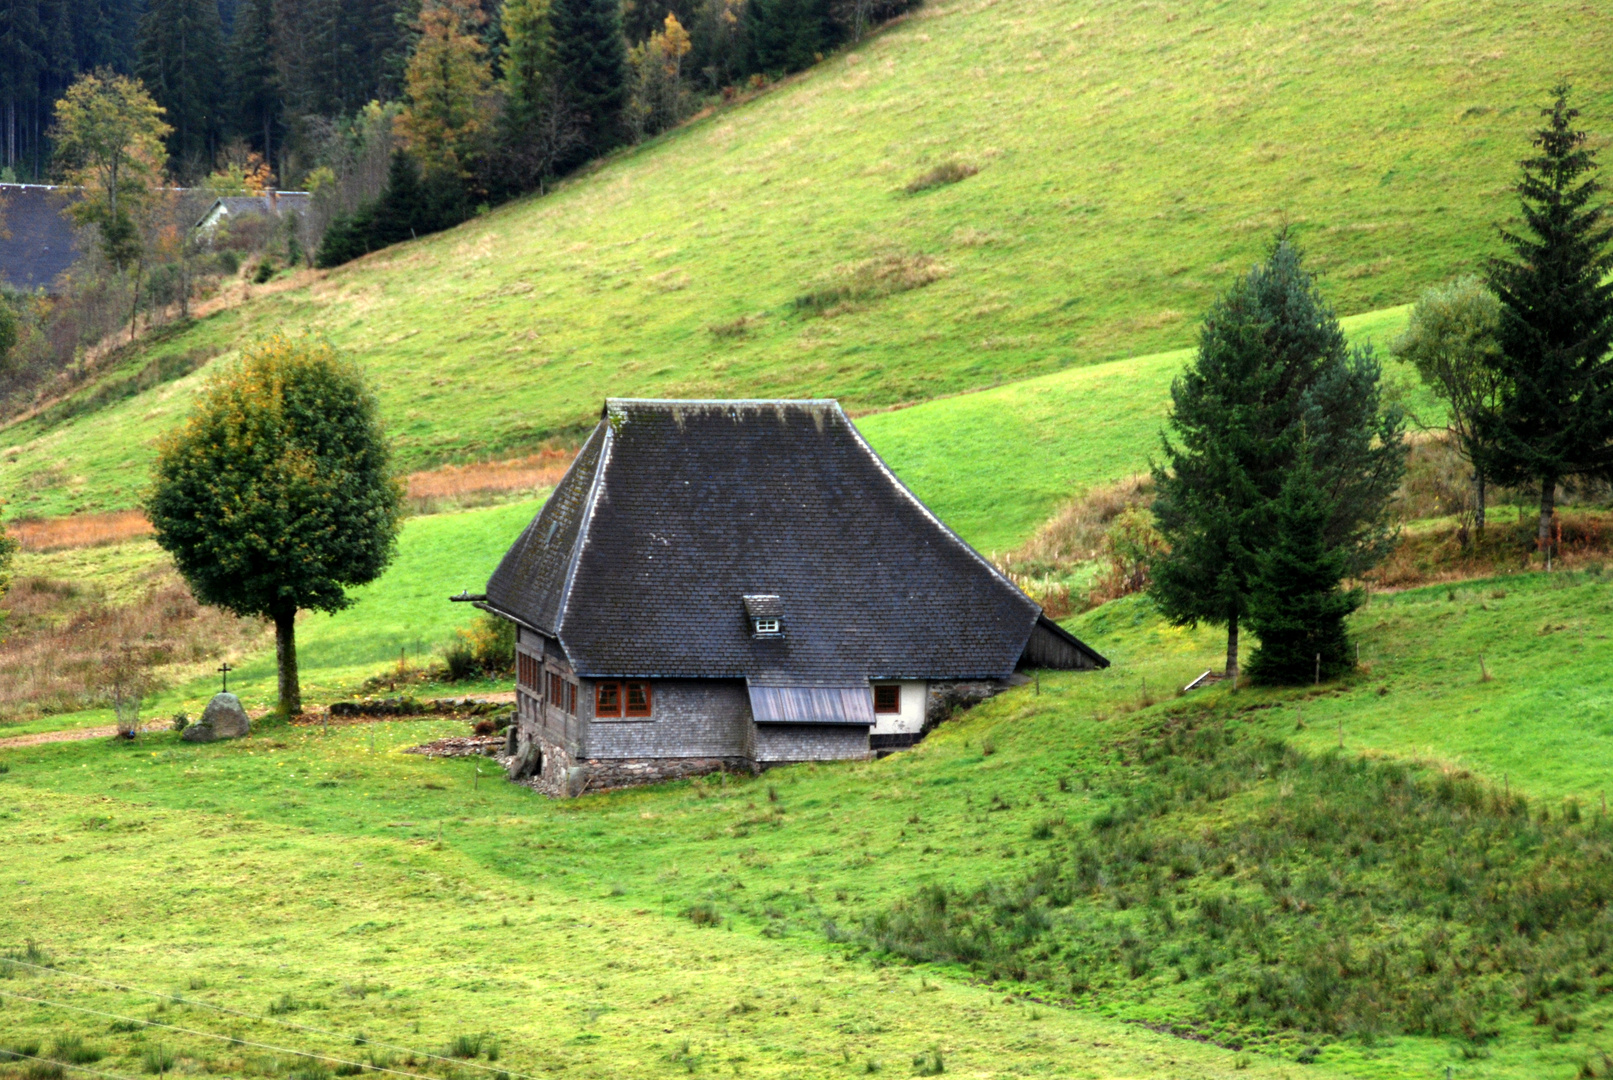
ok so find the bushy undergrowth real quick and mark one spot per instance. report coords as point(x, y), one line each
point(1259, 891)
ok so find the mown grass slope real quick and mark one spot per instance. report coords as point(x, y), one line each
point(1132, 158)
point(412, 901)
point(995, 464)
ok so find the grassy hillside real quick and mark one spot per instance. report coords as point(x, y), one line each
point(995, 464)
point(1132, 158)
point(404, 615)
point(399, 897)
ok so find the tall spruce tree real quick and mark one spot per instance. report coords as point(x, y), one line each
point(1296, 605)
point(591, 66)
point(254, 80)
point(180, 51)
point(1272, 371)
point(1556, 414)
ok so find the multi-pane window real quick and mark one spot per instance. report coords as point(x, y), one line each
point(887, 699)
point(767, 626)
point(616, 699)
point(529, 672)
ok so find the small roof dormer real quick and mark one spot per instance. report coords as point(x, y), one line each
point(765, 613)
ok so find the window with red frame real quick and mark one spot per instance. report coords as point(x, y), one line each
point(638, 699)
point(608, 699)
point(887, 699)
point(571, 698)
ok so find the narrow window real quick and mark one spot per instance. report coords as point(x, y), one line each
point(767, 626)
point(571, 698)
point(887, 699)
point(556, 698)
point(638, 699)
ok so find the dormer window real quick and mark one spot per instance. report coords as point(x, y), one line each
point(765, 613)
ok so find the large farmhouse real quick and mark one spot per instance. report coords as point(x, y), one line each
point(735, 584)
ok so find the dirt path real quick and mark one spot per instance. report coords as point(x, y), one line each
point(74, 735)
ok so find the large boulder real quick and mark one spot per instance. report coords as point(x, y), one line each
point(224, 718)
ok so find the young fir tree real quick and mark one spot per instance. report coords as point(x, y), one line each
point(180, 50)
point(1296, 605)
point(276, 495)
point(1556, 414)
point(591, 68)
point(1272, 370)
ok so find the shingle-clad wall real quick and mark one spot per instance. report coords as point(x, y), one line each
point(779, 743)
point(689, 718)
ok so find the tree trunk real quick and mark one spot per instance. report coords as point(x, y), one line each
point(285, 654)
point(1548, 507)
point(1232, 648)
point(1478, 501)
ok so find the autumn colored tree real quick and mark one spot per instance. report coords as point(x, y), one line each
point(109, 141)
point(660, 98)
point(447, 85)
point(276, 495)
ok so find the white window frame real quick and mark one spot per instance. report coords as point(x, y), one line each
point(767, 626)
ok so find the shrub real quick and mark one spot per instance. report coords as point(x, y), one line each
point(71, 1049)
point(487, 647)
point(948, 172)
point(157, 1058)
point(264, 271)
point(871, 279)
point(929, 1063)
point(180, 721)
point(703, 914)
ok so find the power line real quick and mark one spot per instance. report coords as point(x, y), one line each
point(233, 1040)
point(181, 1000)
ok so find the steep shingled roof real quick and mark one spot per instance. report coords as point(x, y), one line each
point(676, 511)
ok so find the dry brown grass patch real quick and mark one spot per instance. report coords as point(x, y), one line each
point(871, 279)
point(79, 530)
point(63, 638)
point(461, 485)
point(1076, 533)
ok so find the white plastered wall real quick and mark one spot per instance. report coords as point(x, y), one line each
point(910, 721)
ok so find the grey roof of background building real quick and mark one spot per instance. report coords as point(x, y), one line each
point(238, 205)
point(675, 512)
point(36, 238)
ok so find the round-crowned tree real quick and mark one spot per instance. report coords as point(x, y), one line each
point(276, 495)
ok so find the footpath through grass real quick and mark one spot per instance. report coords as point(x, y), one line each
point(599, 935)
point(1132, 159)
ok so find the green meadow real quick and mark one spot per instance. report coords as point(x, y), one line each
point(741, 926)
point(995, 464)
point(1132, 158)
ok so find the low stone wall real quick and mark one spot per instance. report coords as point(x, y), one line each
point(409, 706)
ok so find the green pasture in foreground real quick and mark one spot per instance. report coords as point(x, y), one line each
point(1133, 158)
point(410, 900)
point(995, 464)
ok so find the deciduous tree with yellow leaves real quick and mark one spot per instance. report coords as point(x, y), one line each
point(448, 84)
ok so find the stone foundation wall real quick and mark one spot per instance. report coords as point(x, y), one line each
point(562, 776)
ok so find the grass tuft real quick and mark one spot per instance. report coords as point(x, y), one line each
point(948, 172)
